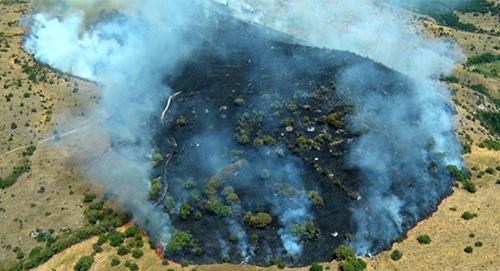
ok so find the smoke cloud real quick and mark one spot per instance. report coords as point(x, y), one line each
point(131, 52)
point(391, 150)
point(128, 54)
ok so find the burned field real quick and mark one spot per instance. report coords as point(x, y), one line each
point(252, 159)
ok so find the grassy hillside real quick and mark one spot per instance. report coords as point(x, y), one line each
point(40, 188)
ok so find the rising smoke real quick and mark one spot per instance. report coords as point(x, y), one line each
point(129, 53)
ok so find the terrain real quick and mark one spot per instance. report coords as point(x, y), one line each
point(48, 193)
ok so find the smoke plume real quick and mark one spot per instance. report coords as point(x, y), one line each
point(129, 47)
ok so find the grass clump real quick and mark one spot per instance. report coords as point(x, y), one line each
point(424, 239)
point(468, 215)
point(396, 255)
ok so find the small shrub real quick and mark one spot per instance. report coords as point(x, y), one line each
point(180, 241)
point(316, 267)
point(424, 239)
point(478, 244)
point(89, 197)
point(260, 220)
point(353, 264)
point(185, 211)
point(239, 101)
point(154, 191)
point(396, 255)
point(116, 239)
point(131, 232)
point(137, 253)
point(468, 249)
point(115, 261)
point(123, 250)
point(470, 186)
point(344, 252)
point(279, 263)
point(84, 263)
point(131, 266)
point(468, 215)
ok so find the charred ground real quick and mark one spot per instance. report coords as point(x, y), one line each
point(261, 126)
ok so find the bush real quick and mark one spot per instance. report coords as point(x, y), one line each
point(335, 119)
point(316, 199)
point(424, 239)
point(185, 211)
point(239, 101)
point(259, 220)
point(316, 267)
point(97, 248)
point(115, 261)
point(131, 232)
point(353, 264)
point(123, 250)
point(470, 186)
point(116, 239)
point(89, 197)
point(131, 266)
point(468, 215)
point(180, 241)
point(396, 255)
point(344, 252)
point(468, 249)
point(279, 263)
point(137, 253)
point(458, 174)
point(84, 263)
point(154, 191)
point(216, 207)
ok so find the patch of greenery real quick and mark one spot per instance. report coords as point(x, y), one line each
point(154, 191)
point(344, 252)
point(84, 263)
point(307, 230)
point(468, 215)
point(450, 79)
point(216, 207)
point(490, 120)
point(179, 242)
point(316, 199)
point(490, 144)
point(481, 59)
point(260, 220)
point(468, 249)
point(424, 239)
point(17, 172)
point(457, 174)
point(316, 267)
point(396, 255)
point(353, 264)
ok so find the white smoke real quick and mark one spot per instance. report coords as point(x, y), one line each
point(390, 145)
point(129, 55)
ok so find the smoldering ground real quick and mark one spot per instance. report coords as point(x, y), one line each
point(392, 152)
